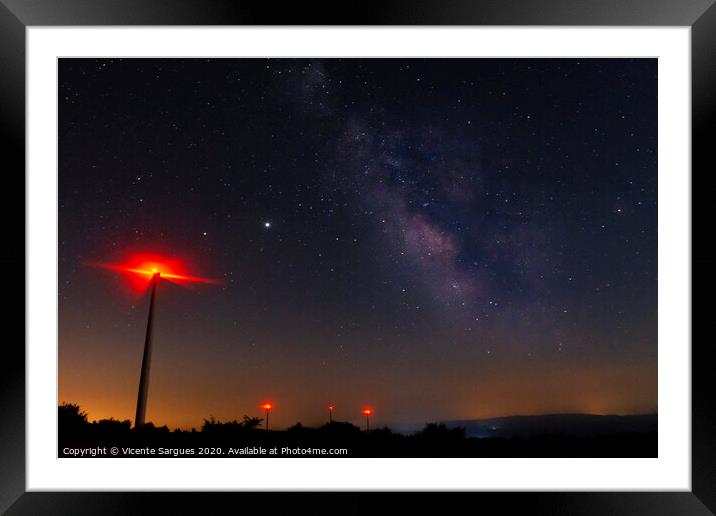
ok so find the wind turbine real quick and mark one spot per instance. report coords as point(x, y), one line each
point(367, 412)
point(155, 271)
point(267, 407)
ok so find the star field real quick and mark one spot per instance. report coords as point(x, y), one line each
point(440, 238)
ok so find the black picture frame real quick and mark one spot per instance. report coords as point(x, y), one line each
point(17, 15)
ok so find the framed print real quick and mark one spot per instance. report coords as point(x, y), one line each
point(412, 249)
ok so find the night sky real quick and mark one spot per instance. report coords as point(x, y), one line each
point(434, 238)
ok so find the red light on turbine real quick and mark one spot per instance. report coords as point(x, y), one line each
point(267, 407)
point(142, 269)
point(330, 407)
point(367, 411)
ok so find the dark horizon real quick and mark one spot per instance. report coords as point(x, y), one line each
point(402, 428)
point(558, 436)
point(438, 239)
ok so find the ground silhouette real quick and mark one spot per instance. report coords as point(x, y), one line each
point(78, 437)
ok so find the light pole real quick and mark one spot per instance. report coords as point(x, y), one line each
point(367, 412)
point(267, 407)
point(330, 413)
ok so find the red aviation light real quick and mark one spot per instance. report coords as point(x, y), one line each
point(141, 269)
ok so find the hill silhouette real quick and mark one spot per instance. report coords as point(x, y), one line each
point(577, 425)
point(78, 437)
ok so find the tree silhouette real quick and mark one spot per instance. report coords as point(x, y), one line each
point(71, 419)
point(252, 422)
point(70, 412)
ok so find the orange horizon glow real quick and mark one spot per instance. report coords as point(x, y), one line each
point(108, 388)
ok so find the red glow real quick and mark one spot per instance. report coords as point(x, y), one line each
point(330, 407)
point(140, 269)
point(367, 411)
point(267, 406)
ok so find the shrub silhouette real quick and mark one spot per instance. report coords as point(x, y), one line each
point(149, 430)
point(211, 425)
point(71, 412)
point(112, 427)
point(340, 428)
point(252, 422)
point(440, 431)
point(71, 419)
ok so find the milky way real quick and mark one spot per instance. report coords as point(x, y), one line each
point(439, 238)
